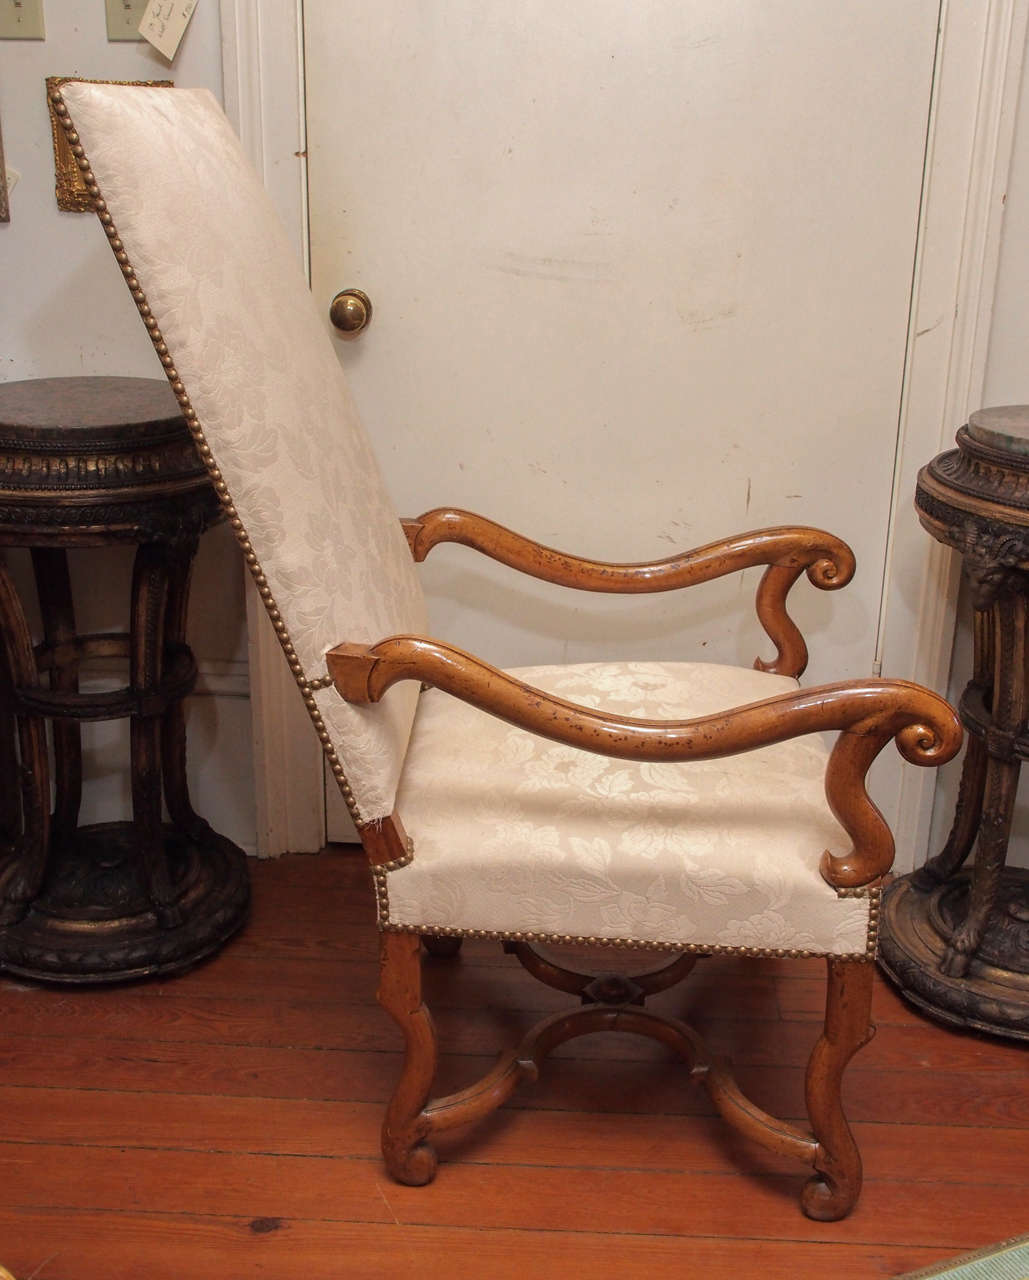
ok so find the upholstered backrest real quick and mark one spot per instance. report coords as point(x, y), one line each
point(223, 296)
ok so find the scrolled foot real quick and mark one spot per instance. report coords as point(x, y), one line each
point(826, 1200)
point(414, 1166)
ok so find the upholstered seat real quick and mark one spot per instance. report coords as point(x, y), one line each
point(712, 855)
point(667, 806)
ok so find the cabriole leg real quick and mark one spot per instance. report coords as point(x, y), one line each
point(833, 1191)
point(409, 1156)
point(967, 817)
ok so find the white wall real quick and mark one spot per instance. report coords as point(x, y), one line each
point(1007, 366)
point(1007, 382)
point(66, 311)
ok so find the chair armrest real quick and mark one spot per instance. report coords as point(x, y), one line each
point(787, 551)
point(867, 713)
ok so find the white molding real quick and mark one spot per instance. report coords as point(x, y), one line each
point(967, 164)
point(263, 89)
point(287, 755)
point(262, 67)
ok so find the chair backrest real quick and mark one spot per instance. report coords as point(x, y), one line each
point(223, 296)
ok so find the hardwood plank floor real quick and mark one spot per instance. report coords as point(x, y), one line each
point(224, 1123)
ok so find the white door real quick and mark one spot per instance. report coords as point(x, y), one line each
point(641, 277)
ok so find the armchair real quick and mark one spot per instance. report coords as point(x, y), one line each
point(678, 808)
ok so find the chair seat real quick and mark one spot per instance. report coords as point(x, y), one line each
point(717, 855)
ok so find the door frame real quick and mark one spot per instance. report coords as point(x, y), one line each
point(979, 58)
point(263, 92)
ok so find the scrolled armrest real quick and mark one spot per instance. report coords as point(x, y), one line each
point(788, 551)
point(828, 560)
point(867, 713)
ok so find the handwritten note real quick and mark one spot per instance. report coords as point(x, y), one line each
point(164, 23)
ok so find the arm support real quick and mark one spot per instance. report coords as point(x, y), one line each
point(787, 551)
point(868, 713)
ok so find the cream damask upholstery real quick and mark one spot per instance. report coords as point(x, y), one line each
point(226, 289)
point(713, 855)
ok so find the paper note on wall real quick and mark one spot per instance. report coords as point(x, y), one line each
point(164, 23)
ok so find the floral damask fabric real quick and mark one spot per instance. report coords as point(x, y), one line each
point(228, 294)
point(515, 833)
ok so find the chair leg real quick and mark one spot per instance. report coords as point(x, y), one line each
point(409, 1156)
point(833, 1191)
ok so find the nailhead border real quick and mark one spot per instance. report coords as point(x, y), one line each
point(380, 876)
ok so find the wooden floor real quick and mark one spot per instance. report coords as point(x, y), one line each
point(223, 1124)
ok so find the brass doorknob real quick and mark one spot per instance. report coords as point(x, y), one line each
point(351, 312)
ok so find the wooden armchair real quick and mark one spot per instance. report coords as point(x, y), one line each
point(679, 808)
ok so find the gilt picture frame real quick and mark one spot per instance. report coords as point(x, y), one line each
point(69, 187)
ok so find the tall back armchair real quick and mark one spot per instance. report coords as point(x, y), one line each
point(679, 808)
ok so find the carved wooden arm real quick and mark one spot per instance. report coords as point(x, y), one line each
point(787, 551)
point(868, 713)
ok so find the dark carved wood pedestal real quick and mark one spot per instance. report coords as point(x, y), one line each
point(955, 941)
point(90, 462)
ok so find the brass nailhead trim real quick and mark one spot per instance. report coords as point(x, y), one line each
point(380, 877)
point(619, 944)
point(189, 413)
point(875, 894)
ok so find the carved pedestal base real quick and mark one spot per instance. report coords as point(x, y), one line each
point(915, 930)
point(93, 920)
point(87, 463)
point(957, 942)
